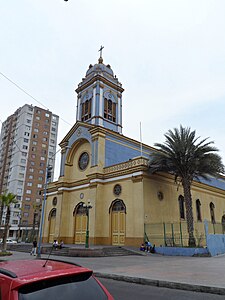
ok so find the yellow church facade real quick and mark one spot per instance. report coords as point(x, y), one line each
point(104, 184)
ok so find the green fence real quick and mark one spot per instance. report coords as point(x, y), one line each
point(176, 234)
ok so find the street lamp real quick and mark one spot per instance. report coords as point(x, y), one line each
point(87, 206)
point(47, 177)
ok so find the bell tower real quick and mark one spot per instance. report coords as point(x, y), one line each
point(99, 99)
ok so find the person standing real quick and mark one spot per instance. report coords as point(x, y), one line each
point(34, 249)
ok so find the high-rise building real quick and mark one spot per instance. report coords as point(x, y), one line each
point(27, 145)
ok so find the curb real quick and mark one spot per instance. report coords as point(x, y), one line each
point(162, 283)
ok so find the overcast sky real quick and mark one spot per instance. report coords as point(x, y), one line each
point(169, 56)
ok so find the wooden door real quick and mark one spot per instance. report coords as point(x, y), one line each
point(118, 225)
point(51, 229)
point(80, 228)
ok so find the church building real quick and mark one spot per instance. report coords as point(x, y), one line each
point(105, 192)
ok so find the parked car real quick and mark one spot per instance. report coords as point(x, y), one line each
point(8, 241)
point(35, 279)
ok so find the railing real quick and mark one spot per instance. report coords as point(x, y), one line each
point(176, 234)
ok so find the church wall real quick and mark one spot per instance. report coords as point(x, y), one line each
point(73, 172)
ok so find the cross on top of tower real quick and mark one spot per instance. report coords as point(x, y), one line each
point(100, 60)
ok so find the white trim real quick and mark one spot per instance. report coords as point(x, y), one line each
point(93, 106)
point(96, 181)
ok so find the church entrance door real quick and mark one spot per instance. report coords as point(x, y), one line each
point(80, 224)
point(52, 218)
point(118, 223)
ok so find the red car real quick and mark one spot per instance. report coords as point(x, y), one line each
point(38, 279)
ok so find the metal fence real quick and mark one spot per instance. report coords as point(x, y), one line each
point(176, 234)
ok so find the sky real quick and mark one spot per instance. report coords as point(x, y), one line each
point(169, 56)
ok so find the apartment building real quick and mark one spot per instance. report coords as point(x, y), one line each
point(27, 145)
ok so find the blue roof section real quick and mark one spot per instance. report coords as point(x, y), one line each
point(119, 151)
point(215, 182)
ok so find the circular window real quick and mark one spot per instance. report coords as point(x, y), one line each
point(54, 201)
point(117, 189)
point(83, 161)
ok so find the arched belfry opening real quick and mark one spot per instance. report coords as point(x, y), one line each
point(117, 212)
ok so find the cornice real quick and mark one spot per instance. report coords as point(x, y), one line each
point(88, 82)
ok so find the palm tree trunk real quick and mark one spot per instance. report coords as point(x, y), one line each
point(189, 212)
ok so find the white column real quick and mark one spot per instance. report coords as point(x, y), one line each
point(93, 106)
point(101, 107)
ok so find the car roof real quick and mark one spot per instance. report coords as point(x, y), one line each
point(31, 270)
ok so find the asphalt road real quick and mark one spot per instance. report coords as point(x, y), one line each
point(121, 290)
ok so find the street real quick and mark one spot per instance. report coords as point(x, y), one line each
point(121, 290)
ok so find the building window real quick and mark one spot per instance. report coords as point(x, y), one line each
point(39, 186)
point(35, 136)
point(40, 178)
point(198, 210)
point(109, 110)
point(34, 143)
point(31, 170)
point(86, 110)
point(212, 213)
point(27, 198)
point(26, 133)
point(25, 140)
point(29, 184)
point(19, 191)
point(31, 177)
point(28, 121)
point(38, 118)
point(26, 214)
point(27, 206)
point(42, 158)
point(25, 147)
point(41, 171)
point(28, 191)
point(47, 115)
point(33, 156)
point(45, 139)
point(36, 130)
point(23, 161)
point(181, 206)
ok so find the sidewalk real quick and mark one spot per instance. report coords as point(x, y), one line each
point(205, 274)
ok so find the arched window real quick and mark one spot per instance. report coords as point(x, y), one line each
point(80, 209)
point(118, 206)
point(198, 210)
point(212, 213)
point(86, 110)
point(109, 110)
point(181, 206)
point(52, 214)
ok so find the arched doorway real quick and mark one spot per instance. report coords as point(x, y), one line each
point(118, 224)
point(80, 215)
point(51, 219)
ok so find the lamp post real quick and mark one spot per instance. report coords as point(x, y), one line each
point(88, 207)
point(48, 174)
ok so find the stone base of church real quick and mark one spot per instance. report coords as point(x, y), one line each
point(98, 241)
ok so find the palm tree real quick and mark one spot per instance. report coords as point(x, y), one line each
point(7, 199)
point(187, 158)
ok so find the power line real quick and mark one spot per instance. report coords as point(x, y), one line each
point(25, 92)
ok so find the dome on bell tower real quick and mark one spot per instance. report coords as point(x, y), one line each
point(99, 99)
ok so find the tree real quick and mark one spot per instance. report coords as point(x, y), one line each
point(187, 158)
point(7, 199)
